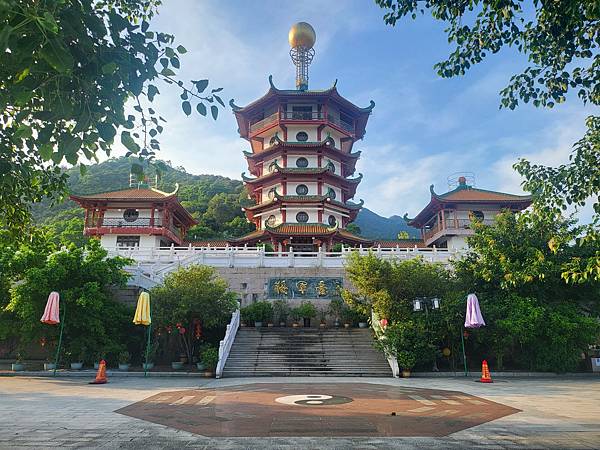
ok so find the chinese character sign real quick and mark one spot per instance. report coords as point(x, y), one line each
point(311, 287)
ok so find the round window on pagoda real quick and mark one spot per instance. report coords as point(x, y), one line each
point(331, 167)
point(302, 189)
point(131, 215)
point(302, 136)
point(273, 166)
point(332, 221)
point(272, 193)
point(331, 193)
point(302, 162)
point(301, 217)
point(476, 215)
point(270, 222)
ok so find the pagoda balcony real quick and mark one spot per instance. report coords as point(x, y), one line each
point(142, 225)
point(301, 116)
point(453, 227)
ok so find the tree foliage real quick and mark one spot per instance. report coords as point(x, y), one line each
point(76, 77)
point(190, 297)
point(95, 321)
point(561, 41)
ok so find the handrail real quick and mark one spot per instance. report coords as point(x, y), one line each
point(227, 342)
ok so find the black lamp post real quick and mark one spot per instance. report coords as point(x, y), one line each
point(425, 304)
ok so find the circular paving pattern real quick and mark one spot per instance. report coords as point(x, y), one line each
point(323, 409)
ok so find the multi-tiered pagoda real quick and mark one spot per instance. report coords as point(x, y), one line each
point(302, 160)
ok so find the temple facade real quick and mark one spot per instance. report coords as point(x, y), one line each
point(446, 220)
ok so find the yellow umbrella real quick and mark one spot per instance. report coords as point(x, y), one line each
point(142, 317)
point(142, 312)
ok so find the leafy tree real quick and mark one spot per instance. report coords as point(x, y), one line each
point(353, 228)
point(69, 69)
point(190, 297)
point(84, 277)
point(561, 41)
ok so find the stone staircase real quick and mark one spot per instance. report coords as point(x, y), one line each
point(305, 352)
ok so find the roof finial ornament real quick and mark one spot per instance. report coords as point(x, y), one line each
point(302, 38)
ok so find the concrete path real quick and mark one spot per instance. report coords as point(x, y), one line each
point(45, 413)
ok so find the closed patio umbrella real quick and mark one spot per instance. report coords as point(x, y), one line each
point(473, 319)
point(143, 317)
point(51, 316)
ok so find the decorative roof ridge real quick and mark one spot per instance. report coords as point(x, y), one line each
point(166, 194)
point(472, 188)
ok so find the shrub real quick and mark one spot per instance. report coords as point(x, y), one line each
point(281, 310)
point(307, 310)
point(209, 356)
point(261, 311)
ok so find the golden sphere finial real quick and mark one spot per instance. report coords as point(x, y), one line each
point(302, 34)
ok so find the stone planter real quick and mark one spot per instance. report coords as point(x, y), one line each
point(200, 366)
point(17, 367)
point(123, 367)
point(148, 366)
point(270, 325)
point(363, 324)
point(322, 325)
point(177, 365)
point(49, 366)
point(258, 324)
point(76, 366)
point(347, 325)
point(96, 365)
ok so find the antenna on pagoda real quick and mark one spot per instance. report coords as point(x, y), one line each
point(302, 38)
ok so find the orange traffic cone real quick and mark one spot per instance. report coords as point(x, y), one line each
point(485, 373)
point(101, 374)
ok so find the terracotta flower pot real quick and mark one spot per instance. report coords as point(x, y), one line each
point(347, 325)
point(405, 373)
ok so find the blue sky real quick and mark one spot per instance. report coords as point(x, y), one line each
point(423, 128)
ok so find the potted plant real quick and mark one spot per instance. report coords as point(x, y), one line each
point(19, 364)
point(176, 365)
point(336, 308)
point(77, 357)
point(281, 311)
point(210, 359)
point(348, 317)
point(406, 361)
point(296, 313)
point(362, 321)
point(49, 364)
point(124, 359)
point(323, 318)
point(307, 312)
point(262, 312)
point(151, 356)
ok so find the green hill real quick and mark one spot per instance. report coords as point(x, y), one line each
point(213, 200)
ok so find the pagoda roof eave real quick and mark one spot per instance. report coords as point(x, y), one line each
point(438, 201)
point(273, 91)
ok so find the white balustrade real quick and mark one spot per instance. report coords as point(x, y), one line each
point(227, 342)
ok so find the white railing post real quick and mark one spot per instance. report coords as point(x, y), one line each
point(320, 257)
point(291, 257)
point(227, 342)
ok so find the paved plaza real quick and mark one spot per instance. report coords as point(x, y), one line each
point(286, 413)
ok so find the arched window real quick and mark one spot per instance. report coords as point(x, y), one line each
point(332, 220)
point(302, 162)
point(131, 215)
point(302, 136)
point(302, 189)
point(331, 167)
point(301, 217)
point(270, 222)
point(272, 193)
point(476, 215)
point(331, 193)
point(272, 166)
